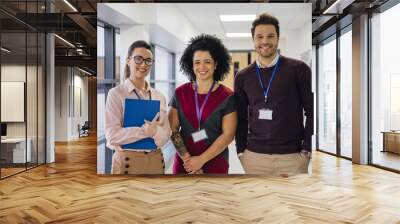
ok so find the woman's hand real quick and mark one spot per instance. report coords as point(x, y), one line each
point(150, 128)
point(193, 164)
point(200, 171)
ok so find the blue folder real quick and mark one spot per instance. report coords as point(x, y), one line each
point(136, 111)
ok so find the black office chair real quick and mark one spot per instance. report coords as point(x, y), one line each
point(84, 130)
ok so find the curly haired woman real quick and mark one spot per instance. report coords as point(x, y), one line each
point(203, 113)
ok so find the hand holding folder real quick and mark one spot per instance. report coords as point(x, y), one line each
point(150, 127)
point(135, 113)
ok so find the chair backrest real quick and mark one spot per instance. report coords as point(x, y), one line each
point(86, 125)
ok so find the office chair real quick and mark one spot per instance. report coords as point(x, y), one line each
point(84, 130)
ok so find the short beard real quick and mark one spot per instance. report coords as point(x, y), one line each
point(275, 50)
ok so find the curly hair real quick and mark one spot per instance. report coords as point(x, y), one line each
point(218, 52)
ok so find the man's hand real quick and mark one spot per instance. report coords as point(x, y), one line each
point(306, 153)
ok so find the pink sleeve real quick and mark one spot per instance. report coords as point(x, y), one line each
point(114, 132)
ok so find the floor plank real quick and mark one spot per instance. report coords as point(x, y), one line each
point(70, 191)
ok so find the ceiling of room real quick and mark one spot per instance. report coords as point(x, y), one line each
point(77, 24)
point(203, 16)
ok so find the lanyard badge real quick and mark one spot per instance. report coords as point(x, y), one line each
point(139, 97)
point(266, 113)
point(201, 133)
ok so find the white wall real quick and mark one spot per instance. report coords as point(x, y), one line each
point(296, 42)
point(80, 82)
point(15, 72)
point(167, 17)
point(68, 82)
point(61, 103)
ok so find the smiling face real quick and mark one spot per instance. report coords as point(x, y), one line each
point(203, 65)
point(140, 70)
point(266, 40)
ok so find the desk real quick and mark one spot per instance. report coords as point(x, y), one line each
point(391, 141)
point(13, 150)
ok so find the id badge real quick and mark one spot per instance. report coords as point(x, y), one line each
point(199, 135)
point(265, 114)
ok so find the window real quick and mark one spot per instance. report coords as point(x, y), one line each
point(108, 76)
point(346, 94)
point(180, 78)
point(100, 77)
point(385, 89)
point(327, 96)
point(162, 76)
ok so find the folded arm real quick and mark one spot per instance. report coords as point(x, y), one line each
point(229, 123)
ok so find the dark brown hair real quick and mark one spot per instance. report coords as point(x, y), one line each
point(134, 45)
point(265, 19)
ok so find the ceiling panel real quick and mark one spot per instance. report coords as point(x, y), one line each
point(205, 17)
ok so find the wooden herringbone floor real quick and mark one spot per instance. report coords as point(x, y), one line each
point(70, 191)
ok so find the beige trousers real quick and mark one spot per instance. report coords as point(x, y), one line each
point(274, 164)
point(132, 162)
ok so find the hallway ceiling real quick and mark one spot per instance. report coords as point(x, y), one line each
point(79, 27)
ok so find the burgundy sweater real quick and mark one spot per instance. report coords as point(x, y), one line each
point(290, 97)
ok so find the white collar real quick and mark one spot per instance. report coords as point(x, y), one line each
point(130, 86)
point(271, 64)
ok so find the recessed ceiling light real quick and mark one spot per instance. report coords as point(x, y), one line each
point(70, 5)
point(234, 35)
point(337, 7)
point(65, 41)
point(237, 18)
point(84, 71)
point(5, 50)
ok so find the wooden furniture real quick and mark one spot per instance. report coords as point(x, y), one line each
point(391, 141)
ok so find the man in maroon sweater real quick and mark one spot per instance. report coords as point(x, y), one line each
point(273, 94)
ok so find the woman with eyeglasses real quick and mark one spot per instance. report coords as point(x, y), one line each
point(203, 112)
point(138, 66)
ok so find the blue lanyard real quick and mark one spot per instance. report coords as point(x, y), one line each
point(199, 111)
point(266, 91)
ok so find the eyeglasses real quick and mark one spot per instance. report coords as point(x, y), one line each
point(139, 60)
